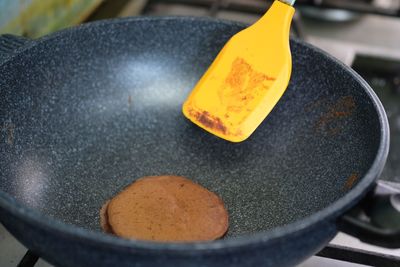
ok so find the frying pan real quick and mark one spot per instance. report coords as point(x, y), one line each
point(86, 111)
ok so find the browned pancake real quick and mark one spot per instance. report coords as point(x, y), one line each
point(104, 218)
point(167, 208)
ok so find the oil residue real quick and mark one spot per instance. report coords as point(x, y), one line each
point(351, 180)
point(242, 87)
point(9, 129)
point(209, 121)
point(329, 122)
point(234, 99)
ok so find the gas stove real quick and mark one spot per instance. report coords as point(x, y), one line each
point(364, 34)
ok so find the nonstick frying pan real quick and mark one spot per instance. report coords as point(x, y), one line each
point(86, 111)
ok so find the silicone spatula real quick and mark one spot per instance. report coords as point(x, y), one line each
point(247, 78)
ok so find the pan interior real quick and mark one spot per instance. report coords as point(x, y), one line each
point(87, 112)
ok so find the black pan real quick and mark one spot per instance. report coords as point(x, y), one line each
point(86, 111)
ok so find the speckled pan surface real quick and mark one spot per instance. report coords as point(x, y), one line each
point(87, 111)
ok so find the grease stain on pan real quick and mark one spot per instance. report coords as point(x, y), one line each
point(130, 100)
point(331, 121)
point(351, 181)
point(9, 132)
point(316, 104)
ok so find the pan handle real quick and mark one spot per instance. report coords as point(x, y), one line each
point(376, 220)
point(10, 44)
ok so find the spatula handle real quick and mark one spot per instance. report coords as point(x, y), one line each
point(289, 2)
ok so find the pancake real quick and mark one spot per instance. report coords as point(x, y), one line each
point(166, 209)
point(104, 218)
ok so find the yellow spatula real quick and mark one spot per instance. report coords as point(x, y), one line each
point(247, 78)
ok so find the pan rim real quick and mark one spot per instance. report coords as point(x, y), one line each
point(329, 213)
